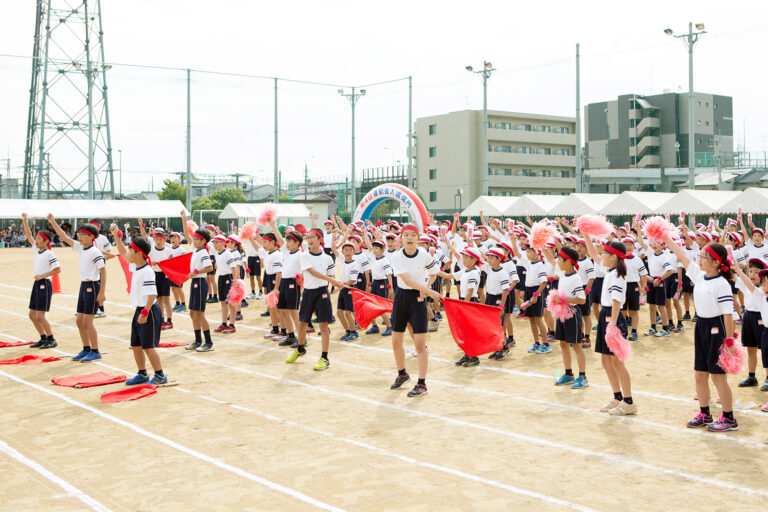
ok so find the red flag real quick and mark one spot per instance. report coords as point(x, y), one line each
point(132, 393)
point(88, 380)
point(55, 283)
point(128, 274)
point(368, 306)
point(177, 269)
point(476, 328)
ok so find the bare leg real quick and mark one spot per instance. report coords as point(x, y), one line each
point(420, 340)
point(580, 358)
point(724, 390)
point(398, 349)
point(610, 372)
point(566, 354)
point(154, 358)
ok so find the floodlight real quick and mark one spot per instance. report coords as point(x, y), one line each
point(469, 68)
point(668, 31)
point(699, 26)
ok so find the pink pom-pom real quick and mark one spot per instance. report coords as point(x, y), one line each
point(731, 363)
point(249, 229)
point(236, 293)
point(617, 343)
point(657, 228)
point(299, 277)
point(593, 225)
point(432, 251)
point(192, 226)
point(271, 299)
point(267, 215)
point(558, 306)
point(541, 232)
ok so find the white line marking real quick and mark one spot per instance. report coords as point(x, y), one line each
point(51, 477)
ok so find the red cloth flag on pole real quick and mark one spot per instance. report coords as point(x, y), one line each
point(128, 274)
point(177, 269)
point(476, 328)
point(368, 306)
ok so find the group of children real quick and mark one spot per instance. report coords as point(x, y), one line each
point(604, 281)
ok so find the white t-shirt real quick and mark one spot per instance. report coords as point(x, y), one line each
point(712, 296)
point(363, 261)
point(418, 267)
point(45, 261)
point(511, 269)
point(225, 260)
point(272, 262)
point(142, 284)
point(102, 243)
point(635, 269)
point(90, 262)
point(291, 263)
point(177, 251)
point(586, 270)
point(158, 255)
point(380, 268)
point(496, 281)
point(658, 264)
point(349, 271)
point(321, 262)
point(756, 252)
point(200, 259)
point(750, 304)
point(535, 273)
point(614, 288)
point(571, 286)
point(469, 279)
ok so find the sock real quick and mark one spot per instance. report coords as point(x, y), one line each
point(569, 372)
point(679, 323)
point(546, 344)
point(50, 337)
point(634, 331)
point(43, 337)
point(551, 333)
point(349, 332)
point(160, 373)
point(198, 335)
point(207, 335)
point(275, 330)
point(178, 303)
point(143, 372)
point(728, 415)
point(586, 337)
point(95, 350)
point(583, 374)
point(705, 410)
point(653, 326)
point(617, 396)
point(231, 325)
point(87, 349)
point(291, 335)
point(282, 331)
point(170, 321)
point(423, 382)
point(751, 375)
point(302, 349)
point(183, 303)
point(402, 372)
point(324, 355)
point(628, 400)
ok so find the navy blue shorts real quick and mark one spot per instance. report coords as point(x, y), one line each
point(708, 336)
point(751, 329)
point(344, 302)
point(315, 301)
point(146, 335)
point(362, 281)
point(670, 286)
point(456, 268)
point(408, 308)
point(570, 331)
point(163, 285)
point(40, 299)
point(509, 305)
point(493, 300)
point(521, 273)
point(596, 293)
point(224, 283)
point(764, 348)
point(601, 347)
point(483, 279)
point(269, 282)
point(633, 297)
point(86, 299)
point(289, 294)
point(198, 293)
point(534, 310)
point(657, 294)
point(687, 284)
point(585, 309)
point(254, 265)
point(379, 288)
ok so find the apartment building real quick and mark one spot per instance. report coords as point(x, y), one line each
point(527, 154)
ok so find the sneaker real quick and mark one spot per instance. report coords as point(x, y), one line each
point(310, 330)
point(100, 314)
point(502, 354)
point(749, 382)
point(288, 341)
point(544, 349)
point(624, 409)
point(534, 348)
point(493, 355)
point(321, 365)
point(663, 333)
point(175, 308)
point(594, 327)
point(279, 337)
point(243, 303)
point(295, 344)
point(550, 338)
point(357, 326)
point(211, 300)
point(679, 328)
point(700, 420)
point(658, 318)
point(38, 343)
point(610, 405)
point(687, 316)
point(221, 328)
point(271, 335)
point(205, 347)
point(585, 343)
point(265, 314)
point(193, 345)
point(399, 381)
point(182, 307)
point(168, 325)
point(764, 387)
point(352, 336)
point(387, 332)
point(91, 356)
point(345, 337)
point(580, 382)
point(723, 425)
point(418, 390)
point(650, 332)
point(49, 344)
point(251, 295)
point(510, 343)
point(374, 329)
point(238, 316)
point(764, 408)
point(438, 316)
point(695, 317)
point(294, 356)
point(738, 321)
point(471, 361)
point(230, 329)
point(461, 361)
point(432, 326)
point(261, 295)
point(632, 336)
point(158, 380)
point(565, 380)
point(137, 379)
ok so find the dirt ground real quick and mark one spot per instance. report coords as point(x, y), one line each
point(245, 431)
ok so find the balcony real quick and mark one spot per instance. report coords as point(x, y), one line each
point(644, 126)
point(561, 139)
point(532, 182)
point(532, 159)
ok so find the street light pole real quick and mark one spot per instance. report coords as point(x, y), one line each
point(306, 175)
point(485, 74)
point(353, 98)
point(690, 40)
point(120, 154)
point(579, 177)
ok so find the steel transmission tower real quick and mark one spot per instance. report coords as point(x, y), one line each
point(68, 146)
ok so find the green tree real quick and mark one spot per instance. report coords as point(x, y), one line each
point(172, 191)
point(204, 203)
point(223, 196)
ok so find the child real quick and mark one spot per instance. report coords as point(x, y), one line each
point(759, 296)
point(178, 291)
point(254, 271)
point(714, 306)
point(637, 275)
point(612, 300)
point(497, 287)
point(469, 279)
point(213, 287)
point(659, 268)
point(673, 287)
point(160, 251)
point(381, 273)
point(145, 328)
point(570, 285)
point(46, 265)
point(289, 292)
point(350, 270)
point(752, 325)
point(586, 271)
point(103, 245)
point(226, 267)
point(510, 266)
point(238, 272)
point(272, 260)
point(93, 276)
point(414, 269)
point(199, 266)
point(535, 282)
point(319, 269)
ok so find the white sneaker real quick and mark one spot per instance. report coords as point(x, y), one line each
point(251, 295)
point(100, 314)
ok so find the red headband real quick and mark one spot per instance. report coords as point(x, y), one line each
point(409, 227)
point(85, 232)
point(198, 235)
point(614, 251)
point(44, 237)
point(564, 255)
point(723, 266)
point(136, 248)
point(318, 234)
point(295, 238)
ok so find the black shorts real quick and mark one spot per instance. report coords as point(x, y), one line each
point(198, 293)
point(456, 268)
point(173, 285)
point(212, 272)
point(242, 272)
point(521, 273)
point(764, 348)
point(751, 329)
point(163, 285)
point(362, 281)
point(86, 299)
point(734, 290)
point(509, 305)
point(534, 310)
point(571, 330)
point(657, 294)
point(289, 294)
point(670, 286)
point(344, 302)
point(146, 335)
point(224, 283)
point(315, 301)
point(687, 284)
point(708, 336)
point(633, 297)
point(409, 308)
point(269, 282)
point(254, 265)
point(493, 300)
point(379, 288)
point(601, 347)
point(596, 293)
point(586, 308)
point(40, 299)
point(483, 279)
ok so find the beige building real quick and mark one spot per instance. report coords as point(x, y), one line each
point(527, 154)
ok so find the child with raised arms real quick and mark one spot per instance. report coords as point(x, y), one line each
point(226, 268)
point(752, 327)
point(45, 265)
point(199, 266)
point(497, 286)
point(272, 261)
point(535, 282)
point(177, 290)
point(160, 251)
point(290, 293)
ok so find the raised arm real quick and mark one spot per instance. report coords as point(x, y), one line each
point(55, 225)
point(187, 234)
point(27, 231)
point(141, 228)
point(278, 236)
point(591, 250)
point(682, 257)
point(121, 250)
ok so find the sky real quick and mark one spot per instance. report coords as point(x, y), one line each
point(531, 44)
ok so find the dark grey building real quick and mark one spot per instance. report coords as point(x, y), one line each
point(636, 131)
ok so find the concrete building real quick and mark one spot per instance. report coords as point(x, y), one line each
point(527, 154)
point(636, 131)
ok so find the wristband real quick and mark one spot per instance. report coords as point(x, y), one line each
point(587, 290)
point(728, 342)
point(247, 271)
point(389, 286)
point(144, 312)
point(536, 293)
point(551, 279)
point(195, 271)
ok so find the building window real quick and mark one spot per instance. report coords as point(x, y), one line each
point(500, 172)
point(565, 174)
point(500, 149)
point(502, 126)
point(432, 151)
point(546, 173)
point(706, 123)
point(432, 129)
point(432, 197)
point(524, 127)
point(543, 151)
point(542, 128)
point(563, 152)
point(528, 172)
point(562, 129)
point(698, 123)
point(698, 141)
point(706, 104)
point(698, 103)
point(523, 149)
point(715, 106)
point(433, 174)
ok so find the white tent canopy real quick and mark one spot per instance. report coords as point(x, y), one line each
point(698, 202)
point(752, 200)
point(254, 210)
point(583, 204)
point(632, 203)
point(89, 209)
point(534, 205)
point(489, 205)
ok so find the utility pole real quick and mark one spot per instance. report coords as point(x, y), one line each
point(410, 132)
point(485, 74)
point(189, 146)
point(353, 98)
point(579, 170)
point(276, 182)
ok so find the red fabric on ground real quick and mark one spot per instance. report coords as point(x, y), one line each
point(128, 274)
point(29, 359)
point(132, 393)
point(176, 269)
point(476, 328)
point(88, 380)
point(368, 306)
point(169, 344)
point(15, 343)
point(55, 283)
